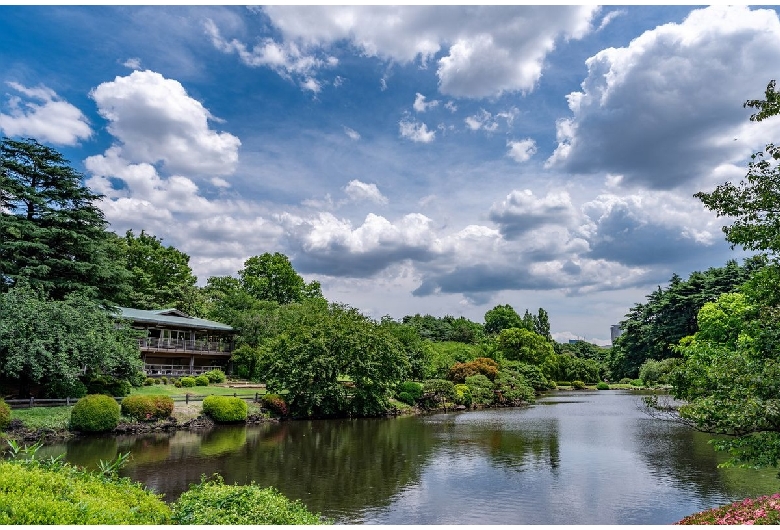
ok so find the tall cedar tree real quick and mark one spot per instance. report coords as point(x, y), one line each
point(52, 235)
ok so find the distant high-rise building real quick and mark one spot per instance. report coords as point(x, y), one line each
point(615, 332)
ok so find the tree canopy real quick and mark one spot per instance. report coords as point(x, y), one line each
point(52, 234)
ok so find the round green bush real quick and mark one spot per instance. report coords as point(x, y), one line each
point(157, 381)
point(225, 409)
point(37, 493)
point(5, 414)
point(177, 383)
point(637, 382)
point(201, 380)
point(406, 397)
point(216, 376)
point(415, 390)
point(147, 408)
point(187, 382)
point(578, 385)
point(602, 386)
point(275, 403)
point(214, 502)
point(149, 381)
point(625, 381)
point(463, 395)
point(164, 380)
point(95, 413)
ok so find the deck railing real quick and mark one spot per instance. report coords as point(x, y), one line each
point(195, 346)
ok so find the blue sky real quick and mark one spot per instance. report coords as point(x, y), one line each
point(436, 160)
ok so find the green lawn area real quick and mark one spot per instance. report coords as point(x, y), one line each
point(43, 417)
point(171, 390)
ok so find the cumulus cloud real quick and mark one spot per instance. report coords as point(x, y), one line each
point(42, 114)
point(332, 246)
point(521, 150)
point(666, 109)
point(155, 120)
point(486, 51)
point(420, 105)
point(522, 211)
point(415, 131)
point(360, 191)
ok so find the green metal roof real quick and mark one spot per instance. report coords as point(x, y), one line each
point(171, 318)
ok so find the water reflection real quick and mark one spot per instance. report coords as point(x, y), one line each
point(575, 458)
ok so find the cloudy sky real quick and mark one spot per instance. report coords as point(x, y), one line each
point(436, 160)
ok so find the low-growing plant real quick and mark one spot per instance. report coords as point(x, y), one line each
point(53, 492)
point(187, 382)
point(413, 390)
point(763, 510)
point(406, 397)
point(110, 386)
point(95, 413)
point(625, 381)
point(225, 409)
point(157, 381)
point(637, 382)
point(177, 383)
point(564, 383)
point(147, 408)
point(214, 502)
point(216, 376)
point(578, 385)
point(201, 380)
point(481, 389)
point(463, 395)
point(5, 414)
point(164, 380)
point(149, 381)
point(276, 404)
point(602, 386)
point(481, 365)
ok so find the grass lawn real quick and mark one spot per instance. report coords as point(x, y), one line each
point(43, 417)
point(171, 390)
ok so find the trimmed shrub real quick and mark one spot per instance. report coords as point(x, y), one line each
point(412, 389)
point(214, 502)
point(216, 376)
point(564, 383)
point(201, 380)
point(481, 389)
point(578, 385)
point(164, 380)
point(637, 382)
point(463, 396)
point(157, 381)
point(625, 381)
point(406, 397)
point(275, 403)
point(187, 382)
point(147, 408)
point(481, 365)
point(149, 381)
point(95, 413)
point(5, 414)
point(224, 409)
point(177, 383)
point(38, 493)
point(602, 386)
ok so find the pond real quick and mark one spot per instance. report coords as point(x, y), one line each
point(587, 457)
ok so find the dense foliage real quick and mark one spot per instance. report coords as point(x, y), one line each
point(58, 343)
point(52, 234)
point(214, 502)
point(651, 330)
point(38, 493)
point(763, 510)
point(5, 414)
point(445, 329)
point(225, 409)
point(95, 413)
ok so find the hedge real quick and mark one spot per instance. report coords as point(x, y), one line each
point(152, 407)
point(224, 409)
point(95, 413)
point(5, 414)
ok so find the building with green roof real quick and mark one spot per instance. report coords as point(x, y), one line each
point(178, 344)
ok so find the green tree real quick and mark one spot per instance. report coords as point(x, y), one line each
point(272, 277)
point(754, 203)
point(52, 234)
point(500, 318)
point(542, 324)
point(335, 362)
point(161, 276)
point(517, 344)
point(58, 342)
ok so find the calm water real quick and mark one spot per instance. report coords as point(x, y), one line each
point(574, 458)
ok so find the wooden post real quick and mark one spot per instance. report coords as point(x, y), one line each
point(257, 394)
point(235, 395)
point(187, 398)
point(32, 402)
point(67, 401)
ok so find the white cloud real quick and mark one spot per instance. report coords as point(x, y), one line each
point(155, 120)
point(44, 116)
point(415, 131)
point(352, 133)
point(487, 50)
point(451, 106)
point(360, 191)
point(522, 150)
point(609, 17)
point(134, 63)
point(420, 105)
point(486, 121)
point(666, 110)
point(312, 85)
